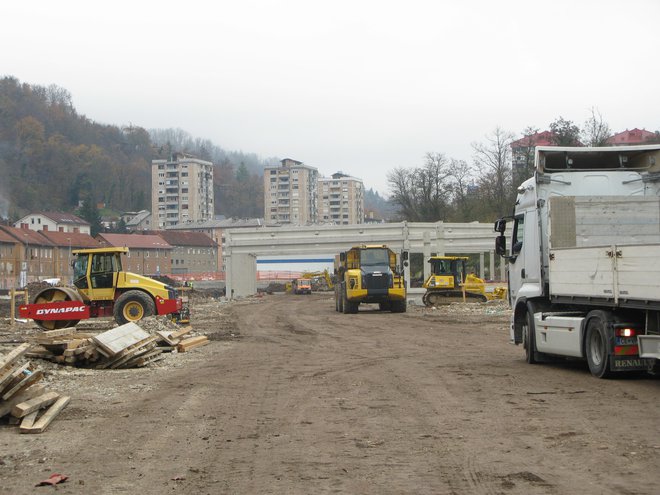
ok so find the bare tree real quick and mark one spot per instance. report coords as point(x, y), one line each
point(595, 131)
point(493, 158)
point(422, 194)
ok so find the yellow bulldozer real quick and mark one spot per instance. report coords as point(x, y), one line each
point(102, 288)
point(449, 283)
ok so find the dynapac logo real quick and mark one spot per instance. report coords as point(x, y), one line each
point(57, 311)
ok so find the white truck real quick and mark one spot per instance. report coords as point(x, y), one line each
point(584, 258)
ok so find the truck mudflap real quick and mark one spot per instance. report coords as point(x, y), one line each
point(57, 310)
point(649, 346)
point(630, 363)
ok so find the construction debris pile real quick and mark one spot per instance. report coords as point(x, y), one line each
point(126, 346)
point(31, 406)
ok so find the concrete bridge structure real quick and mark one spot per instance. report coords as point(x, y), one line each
point(243, 246)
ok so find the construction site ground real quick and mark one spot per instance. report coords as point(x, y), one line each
point(293, 397)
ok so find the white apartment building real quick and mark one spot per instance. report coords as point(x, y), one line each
point(290, 193)
point(341, 200)
point(181, 191)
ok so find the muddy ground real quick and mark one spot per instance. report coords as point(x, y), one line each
point(292, 397)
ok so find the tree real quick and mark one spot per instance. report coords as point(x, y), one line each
point(565, 132)
point(88, 211)
point(595, 131)
point(523, 155)
point(493, 159)
point(461, 176)
point(422, 194)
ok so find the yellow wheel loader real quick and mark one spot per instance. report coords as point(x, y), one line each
point(102, 288)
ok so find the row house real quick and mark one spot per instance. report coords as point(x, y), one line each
point(148, 254)
point(63, 244)
point(29, 258)
point(192, 252)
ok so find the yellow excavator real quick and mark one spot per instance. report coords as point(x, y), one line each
point(320, 280)
point(449, 283)
point(102, 288)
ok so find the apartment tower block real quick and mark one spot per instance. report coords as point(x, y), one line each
point(181, 191)
point(290, 193)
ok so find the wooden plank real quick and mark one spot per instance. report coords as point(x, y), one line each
point(130, 351)
point(192, 342)
point(52, 412)
point(166, 337)
point(14, 355)
point(28, 420)
point(33, 391)
point(34, 404)
point(117, 339)
point(143, 359)
point(57, 333)
point(181, 333)
point(24, 383)
point(12, 375)
point(135, 353)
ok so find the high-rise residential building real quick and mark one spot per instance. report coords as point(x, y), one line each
point(181, 191)
point(341, 200)
point(290, 193)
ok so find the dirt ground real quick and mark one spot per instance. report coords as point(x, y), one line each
point(292, 397)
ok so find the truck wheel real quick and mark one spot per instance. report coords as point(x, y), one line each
point(348, 306)
point(340, 300)
point(133, 305)
point(398, 306)
point(596, 345)
point(528, 338)
point(384, 306)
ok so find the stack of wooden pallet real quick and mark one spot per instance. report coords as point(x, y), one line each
point(30, 405)
point(127, 346)
point(66, 346)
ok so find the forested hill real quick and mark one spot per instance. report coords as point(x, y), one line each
point(51, 158)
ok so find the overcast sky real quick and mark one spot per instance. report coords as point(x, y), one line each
point(357, 86)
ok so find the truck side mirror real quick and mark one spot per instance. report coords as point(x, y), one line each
point(500, 225)
point(500, 245)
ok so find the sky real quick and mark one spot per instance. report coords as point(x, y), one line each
point(360, 86)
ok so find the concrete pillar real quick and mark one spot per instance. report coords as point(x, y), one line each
point(241, 275)
point(491, 263)
point(481, 265)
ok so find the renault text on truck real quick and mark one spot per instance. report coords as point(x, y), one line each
point(583, 258)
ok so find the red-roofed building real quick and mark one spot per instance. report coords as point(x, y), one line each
point(148, 254)
point(631, 137)
point(29, 260)
point(54, 221)
point(522, 153)
point(10, 253)
point(192, 252)
point(63, 243)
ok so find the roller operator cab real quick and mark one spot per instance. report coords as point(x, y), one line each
point(102, 288)
point(582, 246)
point(370, 274)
